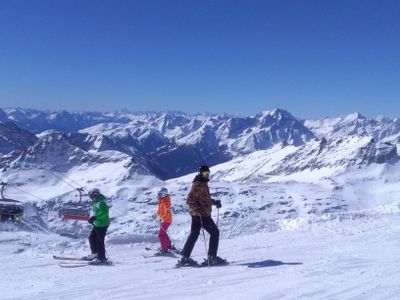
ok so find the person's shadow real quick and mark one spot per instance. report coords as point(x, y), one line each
point(268, 263)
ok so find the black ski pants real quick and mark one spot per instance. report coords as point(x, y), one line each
point(209, 225)
point(96, 241)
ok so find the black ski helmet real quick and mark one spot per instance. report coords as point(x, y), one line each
point(204, 168)
point(93, 193)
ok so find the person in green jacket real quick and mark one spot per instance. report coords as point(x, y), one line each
point(100, 221)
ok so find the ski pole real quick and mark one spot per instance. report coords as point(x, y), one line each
point(218, 222)
point(205, 243)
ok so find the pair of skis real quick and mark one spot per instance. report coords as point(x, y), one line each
point(169, 253)
point(175, 254)
point(77, 262)
point(204, 264)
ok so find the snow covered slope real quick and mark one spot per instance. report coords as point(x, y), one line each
point(354, 124)
point(13, 138)
point(341, 259)
point(318, 158)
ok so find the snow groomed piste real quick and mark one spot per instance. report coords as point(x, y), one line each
point(335, 259)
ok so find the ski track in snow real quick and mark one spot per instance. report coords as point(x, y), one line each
point(351, 259)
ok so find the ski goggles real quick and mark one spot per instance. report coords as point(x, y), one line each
point(205, 173)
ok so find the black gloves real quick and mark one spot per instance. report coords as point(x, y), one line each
point(217, 203)
point(91, 219)
point(202, 210)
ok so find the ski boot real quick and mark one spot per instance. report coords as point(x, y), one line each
point(186, 262)
point(89, 257)
point(214, 261)
point(172, 249)
point(162, 253)
point(97, 262)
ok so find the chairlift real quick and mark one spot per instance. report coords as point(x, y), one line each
point(75, 211)
point(10, 210)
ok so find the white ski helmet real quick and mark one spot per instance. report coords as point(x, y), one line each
point(93, 193)
point(163, 192)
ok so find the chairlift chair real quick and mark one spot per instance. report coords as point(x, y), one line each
point(10, 210)
point(79, 211)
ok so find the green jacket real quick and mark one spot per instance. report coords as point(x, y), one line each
point(100, 211)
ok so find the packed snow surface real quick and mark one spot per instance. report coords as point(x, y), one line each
point(355, 257)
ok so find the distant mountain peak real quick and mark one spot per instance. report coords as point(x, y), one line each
point(275, 113)
point(353, 117)
point(280, 111)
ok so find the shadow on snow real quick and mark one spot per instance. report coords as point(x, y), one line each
point(269, 263)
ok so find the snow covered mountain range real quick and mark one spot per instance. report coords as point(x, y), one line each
point(171, 144)
point(268, 169)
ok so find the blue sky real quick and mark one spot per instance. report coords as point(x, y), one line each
point(313, 58)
